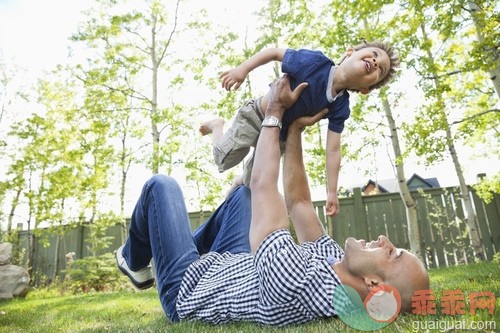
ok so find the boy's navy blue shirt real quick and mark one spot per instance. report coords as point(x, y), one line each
point(317, 70)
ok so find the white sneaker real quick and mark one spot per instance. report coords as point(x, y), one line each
point(142, 279)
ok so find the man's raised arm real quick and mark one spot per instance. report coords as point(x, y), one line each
point(268, 207)
point(296, 187)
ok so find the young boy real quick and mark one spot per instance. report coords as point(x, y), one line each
point(362, 69)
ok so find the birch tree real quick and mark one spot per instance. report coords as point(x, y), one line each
point(445, 81)
point(139, 39)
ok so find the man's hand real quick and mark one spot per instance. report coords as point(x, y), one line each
point(305, 121)
point(281, 96)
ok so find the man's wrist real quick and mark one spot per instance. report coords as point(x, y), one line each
point(275, 109)
point(294, 128)
point(271, 121)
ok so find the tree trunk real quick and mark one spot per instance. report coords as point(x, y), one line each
point(12, 213)
point(470, 219)
point(123, 182)
point(154, 101)
point(471, 215)
point(56, 257)
point(124, 230)
point(31, 250)
point(410, 205)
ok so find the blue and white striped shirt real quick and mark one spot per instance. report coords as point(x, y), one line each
point(284, 283)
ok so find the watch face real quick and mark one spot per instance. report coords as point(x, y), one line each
point(271, 122)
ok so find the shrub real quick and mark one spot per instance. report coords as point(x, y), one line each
point(97, 273)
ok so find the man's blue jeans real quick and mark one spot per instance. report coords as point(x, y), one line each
point(160, 229)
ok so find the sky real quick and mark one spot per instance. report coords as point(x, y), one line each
point(34, 36)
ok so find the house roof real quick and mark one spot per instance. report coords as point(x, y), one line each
point(431, 182)
point(391, 185)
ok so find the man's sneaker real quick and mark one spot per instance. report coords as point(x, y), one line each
point(142, 279)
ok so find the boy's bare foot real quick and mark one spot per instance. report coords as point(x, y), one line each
point(211, 126)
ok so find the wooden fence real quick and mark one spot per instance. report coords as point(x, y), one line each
point(440, 216)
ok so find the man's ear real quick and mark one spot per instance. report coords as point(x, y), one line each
point(349, 51)
point(364, 91)
point(371, 282)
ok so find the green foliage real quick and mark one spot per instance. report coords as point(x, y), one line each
point(496, 257)
point(488, 187)
point(200, 173)
point(451, 231)
point(94, 273)
point(452, 77)
point(97, 240)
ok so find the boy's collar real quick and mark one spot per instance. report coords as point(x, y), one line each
point(329, 87)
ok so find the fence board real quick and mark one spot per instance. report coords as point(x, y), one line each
point(482, 225)
point(376, 210)
point(342, 223)
point(320, 211)
point(425, 231)
point(360, 216)
point(466, 252)
point(398, 225)
point(390, 223)
point(493, 214)
point(449, 241)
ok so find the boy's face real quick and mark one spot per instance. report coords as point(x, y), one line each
point(366, 67)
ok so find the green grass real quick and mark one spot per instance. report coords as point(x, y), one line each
point(128, 311)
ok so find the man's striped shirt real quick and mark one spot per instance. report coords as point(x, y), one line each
point(284, 283)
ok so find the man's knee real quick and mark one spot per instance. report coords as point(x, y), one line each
point(242, 194)
point(241, 189)
point(163, 181)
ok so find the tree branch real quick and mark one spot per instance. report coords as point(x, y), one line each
point(160, 58)
point(443, 75)
point(474, 116)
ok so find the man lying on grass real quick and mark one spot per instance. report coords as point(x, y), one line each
point(243, 264)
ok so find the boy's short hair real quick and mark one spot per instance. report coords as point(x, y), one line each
point(393, 60)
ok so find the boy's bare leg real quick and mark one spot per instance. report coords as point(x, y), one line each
point(214, 126)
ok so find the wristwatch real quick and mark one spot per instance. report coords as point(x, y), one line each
point(271, 121)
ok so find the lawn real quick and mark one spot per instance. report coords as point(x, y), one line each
point(128, 311)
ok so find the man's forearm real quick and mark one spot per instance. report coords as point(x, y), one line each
point(297, 193)
point(295, 181)
point(265, 171)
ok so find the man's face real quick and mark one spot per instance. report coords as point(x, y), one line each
point(376, 258)
point(367, 67)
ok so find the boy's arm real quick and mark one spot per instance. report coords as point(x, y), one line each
point(233, 78)
point(296, 187)
point(268, 207)
point(333, 157)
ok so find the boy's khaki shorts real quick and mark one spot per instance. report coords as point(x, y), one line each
point(243, 134)
point(239, 138)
